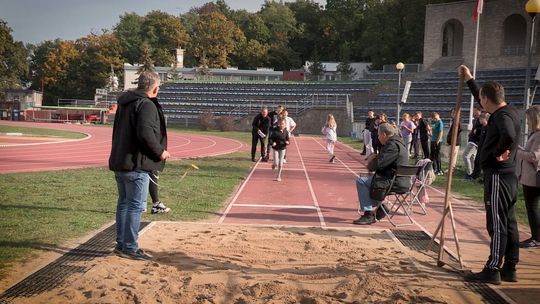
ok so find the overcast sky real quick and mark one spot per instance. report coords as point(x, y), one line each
point(37, 20)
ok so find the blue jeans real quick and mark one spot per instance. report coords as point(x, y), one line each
point(132, 193)
point(363, 185)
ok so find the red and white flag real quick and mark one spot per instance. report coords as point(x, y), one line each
point(478, 9)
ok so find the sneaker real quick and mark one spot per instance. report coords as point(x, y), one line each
point(468, 177)
point(137, 255)
point(508, 273)
point(440, 173)
point(117, 251)
point(264, 160)
point(278, 179)
point(485, 276)
point(367, 219)
point(160, 208)
point(284, 160)
point(332, 159)
point(529, 243)
point(380, 214)
point(253, 160)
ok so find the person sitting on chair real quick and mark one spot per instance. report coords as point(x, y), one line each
point(393, 153)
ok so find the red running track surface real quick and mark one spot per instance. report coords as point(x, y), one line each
point(94, 150)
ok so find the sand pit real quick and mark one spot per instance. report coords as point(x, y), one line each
point(208, 263)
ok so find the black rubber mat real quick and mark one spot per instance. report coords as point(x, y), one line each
point(419, 241)
point(52, 275)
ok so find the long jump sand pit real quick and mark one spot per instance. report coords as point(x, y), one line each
point(208, 263)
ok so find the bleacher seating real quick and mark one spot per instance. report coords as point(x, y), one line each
point(438, 93)
point(183, 101)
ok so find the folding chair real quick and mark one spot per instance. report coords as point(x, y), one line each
point(420, 181)
point(401, 198)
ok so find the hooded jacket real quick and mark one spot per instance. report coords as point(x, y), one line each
point(139, 134)
point(392, 154)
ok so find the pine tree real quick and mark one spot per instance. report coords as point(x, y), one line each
point(147, 64)
point(316, 69)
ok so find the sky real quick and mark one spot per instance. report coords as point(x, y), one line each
point(33, 21)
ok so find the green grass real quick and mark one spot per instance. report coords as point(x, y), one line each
point(45, 209)
point(475, 191)
point(41, 132)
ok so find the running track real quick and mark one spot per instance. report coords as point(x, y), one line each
point(94, 150)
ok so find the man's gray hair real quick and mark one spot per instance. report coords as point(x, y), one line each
point(387, 129)
point(147, 80)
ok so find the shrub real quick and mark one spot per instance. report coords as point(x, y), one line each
point(206, 121)
point(226, 123)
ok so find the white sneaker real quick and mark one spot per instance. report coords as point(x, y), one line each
point(278, 179)
point(160, 208)
point(284, 161)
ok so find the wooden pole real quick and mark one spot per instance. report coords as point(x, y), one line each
point(447, 203)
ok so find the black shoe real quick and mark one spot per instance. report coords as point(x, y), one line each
point(137, 255)
point(253, 160)
point(367, 219)
point(264, 159)
point(117, 252)
point(468, 177)
point(332, 159)
point(508, 273)
point(380, 214)
point(529, 243)
point(484, 276)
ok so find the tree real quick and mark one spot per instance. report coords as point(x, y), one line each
point(164, 33)
point(344, 69)
point(128, 32)
point(215, 37)
point(402, 39)
point(250, 55)
point(58, 75)
point(13, 64)
point(147, 64)
point(309, 16)
point(316, 69)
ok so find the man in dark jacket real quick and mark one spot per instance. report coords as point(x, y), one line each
point(423, 130)
point(393, 153)
point(139, 146)
point(498, 161)
point(259, 133)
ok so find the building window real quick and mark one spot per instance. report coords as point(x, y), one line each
point(452, 42)
point(515, 35)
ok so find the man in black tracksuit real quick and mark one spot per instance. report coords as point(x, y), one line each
point(260, 125)
point(424, 136)
point(498, 161)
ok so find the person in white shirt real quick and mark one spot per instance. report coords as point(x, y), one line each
point(329, 130)
point(290, 125)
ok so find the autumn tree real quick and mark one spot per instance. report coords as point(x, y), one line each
point(13, 64)
point(147, 64)
point(214, 38)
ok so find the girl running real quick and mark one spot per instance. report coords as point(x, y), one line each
point(329, 130)
point(280, 140)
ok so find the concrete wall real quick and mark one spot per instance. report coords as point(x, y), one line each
point(490, 52)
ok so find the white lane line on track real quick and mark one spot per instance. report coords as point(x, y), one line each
point(231, 203)
point(277, 206)
point(310, 186)
point(88, 136)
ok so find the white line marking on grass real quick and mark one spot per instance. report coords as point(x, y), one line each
point(231, 203)
point(88, 136)
point(313, 196)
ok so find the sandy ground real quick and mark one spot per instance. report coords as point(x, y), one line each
point(207, 263)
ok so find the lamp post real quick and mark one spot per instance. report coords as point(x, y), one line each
point(532, 8)
point(399, 66)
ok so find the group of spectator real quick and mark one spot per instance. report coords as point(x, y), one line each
point(492, 149)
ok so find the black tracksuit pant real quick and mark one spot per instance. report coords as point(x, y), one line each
point(435, 156)
point(500, 196)
point(255, 139)
point(532, 195)
point(425, 148)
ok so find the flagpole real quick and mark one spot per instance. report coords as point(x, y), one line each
point(474, 70)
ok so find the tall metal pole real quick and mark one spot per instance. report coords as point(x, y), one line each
point(398, 98)
point(471, 108)
point(527, 94)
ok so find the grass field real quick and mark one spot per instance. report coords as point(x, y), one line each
point(39, 132)
point(43, 210)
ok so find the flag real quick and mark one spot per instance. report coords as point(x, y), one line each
point(478, 9)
